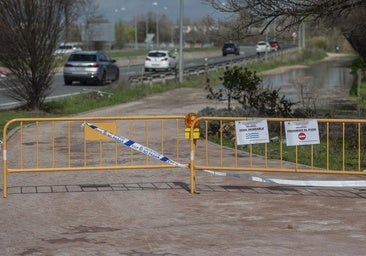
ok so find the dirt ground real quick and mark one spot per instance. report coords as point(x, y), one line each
point(143, 213)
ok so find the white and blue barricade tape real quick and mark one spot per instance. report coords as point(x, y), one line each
point(136, 146)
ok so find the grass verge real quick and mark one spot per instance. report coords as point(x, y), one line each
point(309, 155)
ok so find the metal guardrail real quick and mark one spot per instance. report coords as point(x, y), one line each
point(151, 78)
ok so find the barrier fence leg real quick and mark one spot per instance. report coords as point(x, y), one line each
point(191, 165)
point(5, 176)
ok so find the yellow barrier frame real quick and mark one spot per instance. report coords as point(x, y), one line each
point(358, 126)
point(109, 124)
point(298, 168)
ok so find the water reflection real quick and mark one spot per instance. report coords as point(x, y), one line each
point(324, 82)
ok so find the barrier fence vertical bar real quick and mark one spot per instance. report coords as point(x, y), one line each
point(359, 146)
point(312, 156)
point(221, 143)
point(327, 159)
point(251, 155)
point(21, 146)
point(115, 153)
point(84, 153)
point(296, 157)
point(68, 144)
point(100, 152)
point(147, 139)
point(266, 155)
point(236, 152)
point(343, 147)
point(206, 141)
point(192, 161)
point(132, 137)
point(162, 137)
point(177, 134)
point(5, 170)
point(53, 144)
point(37, 144)
point(116, 146)
point(281, 144)
point(5, 176)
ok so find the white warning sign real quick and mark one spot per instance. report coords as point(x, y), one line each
point(251, 132)
point(302, 132)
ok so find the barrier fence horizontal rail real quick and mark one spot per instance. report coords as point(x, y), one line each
point(342, 148)
point(67, 144)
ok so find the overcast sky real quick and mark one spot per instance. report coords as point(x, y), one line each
point(115, 9)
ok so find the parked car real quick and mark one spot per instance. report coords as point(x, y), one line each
point(67, 48)
point(275, 46)
point(230, 48)
point(263, 47)
point(156, 60)
point(90, 67)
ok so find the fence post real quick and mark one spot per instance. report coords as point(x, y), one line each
point(5, 175)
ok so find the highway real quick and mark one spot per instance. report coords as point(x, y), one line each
point(191, 61)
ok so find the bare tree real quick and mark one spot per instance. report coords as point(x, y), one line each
point(353, 28)
point(261, 14)
point(30, 30)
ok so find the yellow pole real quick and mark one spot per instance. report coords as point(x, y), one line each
point(192, 163)
point(5, 170)
point(5, 176)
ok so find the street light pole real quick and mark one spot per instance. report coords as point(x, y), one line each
point(181, 13)
point(136, 44)
point(157, 31)
point(147, 31)
point(157, 25)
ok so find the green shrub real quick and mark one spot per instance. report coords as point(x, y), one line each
point(318, 42)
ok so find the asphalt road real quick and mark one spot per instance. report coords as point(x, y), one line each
point(128, 67)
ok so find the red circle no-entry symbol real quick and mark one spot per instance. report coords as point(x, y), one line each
point(302, 136)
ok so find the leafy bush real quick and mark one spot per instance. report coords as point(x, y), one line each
point(318, 42)
point(243, 85)
point(213, 127)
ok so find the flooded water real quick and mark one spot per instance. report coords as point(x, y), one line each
point(323, 84)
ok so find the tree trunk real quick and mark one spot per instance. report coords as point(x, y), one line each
point(359, 81)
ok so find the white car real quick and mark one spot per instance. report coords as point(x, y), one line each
point(67, 49)
point(263, 47)
point(160, 60)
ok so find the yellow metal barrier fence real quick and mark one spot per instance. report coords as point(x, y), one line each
point(66, 144)
point(341, 148)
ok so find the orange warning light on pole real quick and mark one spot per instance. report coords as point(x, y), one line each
point(189, 118)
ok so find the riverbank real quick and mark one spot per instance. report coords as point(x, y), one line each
point(322, 89)
point(330, 57)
